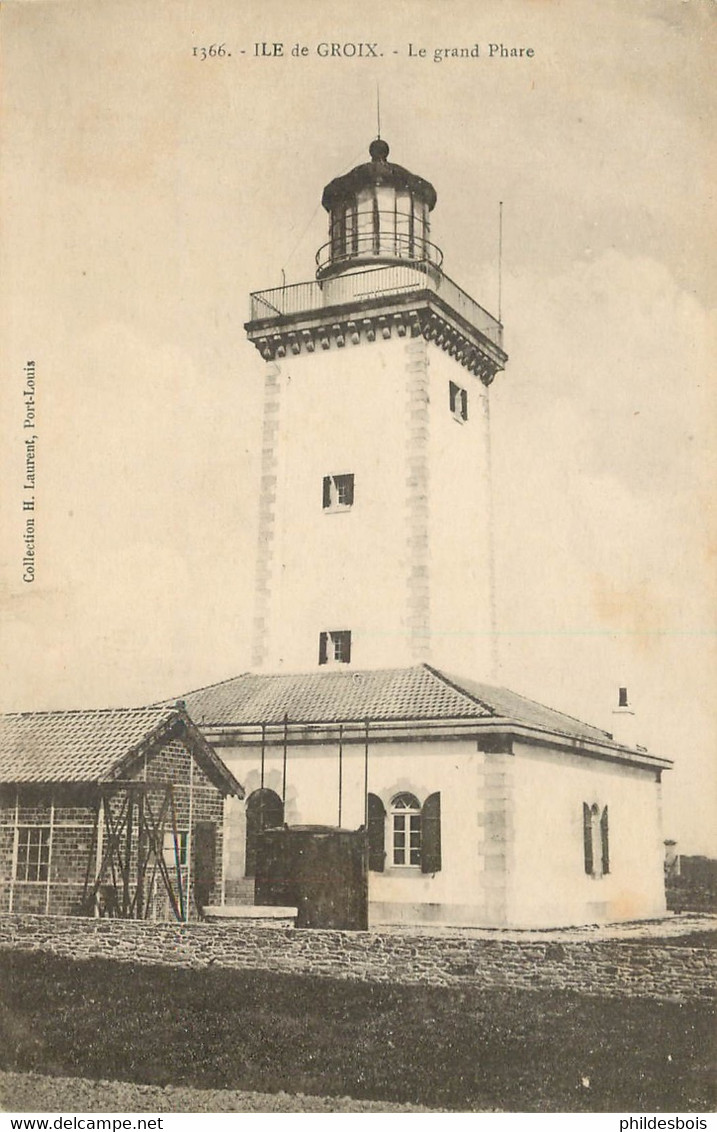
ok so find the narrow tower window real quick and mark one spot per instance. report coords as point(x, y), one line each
point(458, 401)
point(596, 840)
point(338, 493)
point(335, 647)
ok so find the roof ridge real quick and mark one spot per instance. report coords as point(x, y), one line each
point(457, 688)
point(344, 670)
point(204, 688)
point(84, 711)
point(559, 711)
point(350, 671)
point(545, 707)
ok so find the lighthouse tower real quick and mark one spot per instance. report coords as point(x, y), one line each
point(374, 542)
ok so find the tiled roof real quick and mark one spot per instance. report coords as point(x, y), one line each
point(510, 705)
point(348, 695)
point(87, 746)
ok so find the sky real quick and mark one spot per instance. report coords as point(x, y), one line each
point(148, 191)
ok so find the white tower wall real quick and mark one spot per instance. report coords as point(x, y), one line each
point(406, 568)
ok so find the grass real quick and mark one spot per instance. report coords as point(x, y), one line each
point(447, 1048)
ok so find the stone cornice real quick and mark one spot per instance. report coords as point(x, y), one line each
point(494, 734)
point(420, 313)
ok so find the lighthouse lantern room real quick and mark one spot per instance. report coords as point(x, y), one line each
point(378, 213)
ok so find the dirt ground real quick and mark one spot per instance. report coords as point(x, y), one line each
point(32, 1092)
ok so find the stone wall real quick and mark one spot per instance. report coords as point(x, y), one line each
point(623, 968)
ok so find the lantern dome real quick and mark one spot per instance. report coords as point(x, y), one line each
point(378, 214)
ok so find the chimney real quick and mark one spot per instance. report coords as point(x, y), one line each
point(672, 859)
point(623, 720)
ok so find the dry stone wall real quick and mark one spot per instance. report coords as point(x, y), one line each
point(632, 968)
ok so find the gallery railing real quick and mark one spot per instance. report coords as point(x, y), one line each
point(355, 286)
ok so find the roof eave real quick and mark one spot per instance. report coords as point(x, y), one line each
point(179, 722)
point(397, 729)
point(377, 173)
point(598, 748)
point(208, 755)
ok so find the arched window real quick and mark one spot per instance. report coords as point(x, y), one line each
point(264, 810)
point(415, 831)
point(596, 847)
point(406, 826)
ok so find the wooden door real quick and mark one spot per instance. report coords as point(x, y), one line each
point(205, 852)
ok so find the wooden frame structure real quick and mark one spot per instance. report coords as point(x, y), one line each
point(128, 847)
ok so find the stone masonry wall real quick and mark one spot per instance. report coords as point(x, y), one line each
point(615, 968)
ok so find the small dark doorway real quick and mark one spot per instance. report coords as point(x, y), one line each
point(205, 852)
point(264, 810)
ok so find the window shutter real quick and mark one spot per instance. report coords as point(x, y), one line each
point(327, 491)
point(347, 648)
point(431, 834)
point(323, 641)
point(464, 404)
point(604, 846)
point(452, 394)
point(349, 491)
point(376, 834)
point(588, 839)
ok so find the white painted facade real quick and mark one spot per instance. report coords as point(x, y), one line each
point(548, 883)
point(511, 828)
point(332, 569)
point(406, 569)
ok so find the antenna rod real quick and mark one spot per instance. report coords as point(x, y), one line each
point(500, 257)
point(378, 110)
